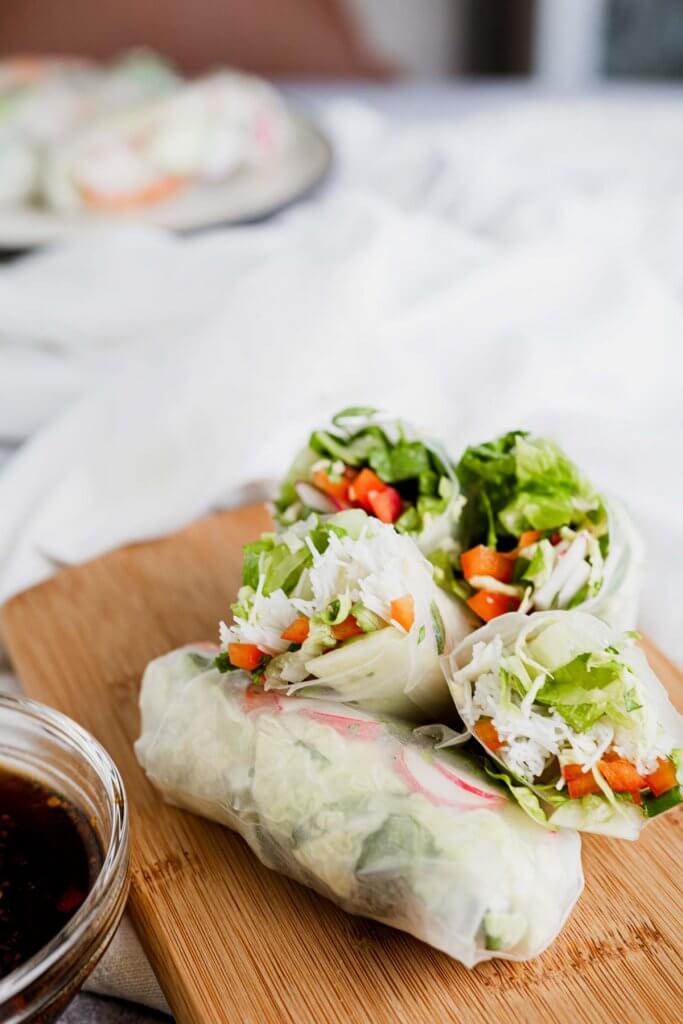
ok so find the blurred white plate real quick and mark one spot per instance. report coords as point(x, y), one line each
point(248, 195)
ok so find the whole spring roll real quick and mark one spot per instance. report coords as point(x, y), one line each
point(575, 716)
point(205, 131)
point(365, 811)
point(537, 535)
point(367, 459)
point(344, 607)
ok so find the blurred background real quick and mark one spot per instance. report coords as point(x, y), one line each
point(564, 43)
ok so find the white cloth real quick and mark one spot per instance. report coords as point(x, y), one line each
point(512, 269)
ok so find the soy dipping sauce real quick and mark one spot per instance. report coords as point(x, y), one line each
point(49, 859)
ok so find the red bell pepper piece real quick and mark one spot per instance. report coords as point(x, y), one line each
point(403, 611)
point(488, 604)
point(246, 656)
point(297, 631)
point(483, 561)
point(488, 734)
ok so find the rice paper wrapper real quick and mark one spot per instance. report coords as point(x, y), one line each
point(618, 599)
point(391, 672)
point(361, 808)
point(596, 815)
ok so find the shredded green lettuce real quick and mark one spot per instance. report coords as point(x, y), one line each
point(417, 470)
point(588, 688)
point(518, 482)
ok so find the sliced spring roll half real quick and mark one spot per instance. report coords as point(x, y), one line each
point(369, 460)
point(205, 131)
point(571, 709)
point(537, 535)
point(362, 809)
point(345, 607)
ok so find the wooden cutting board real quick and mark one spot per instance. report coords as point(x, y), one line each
point(231, 941)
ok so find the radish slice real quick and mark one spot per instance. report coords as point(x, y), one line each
point(351, 728)
point(256, 699)
point(440, 784)
point(312, 497)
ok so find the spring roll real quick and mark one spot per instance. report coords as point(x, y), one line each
point(363, 810)
point(205, 131)
point(537, 535)
point(573, 713)
point(43, 100)
point(346, 608)
point(366, 459)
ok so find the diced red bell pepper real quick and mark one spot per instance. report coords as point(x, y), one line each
point(570, 772)
point(488, 604)
point(362, 487)
point(246, 656)
point(488, 734)
point(582, 786)
point(297, 631)
point(338, 490)
point(621, 776)
point(346, 629)
point(403, 611)
point(483, 561)
point(663, 778)
point(386, 504)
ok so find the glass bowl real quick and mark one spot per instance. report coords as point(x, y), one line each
point(46, 745)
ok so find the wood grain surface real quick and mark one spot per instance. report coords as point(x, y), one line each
point(231, 941)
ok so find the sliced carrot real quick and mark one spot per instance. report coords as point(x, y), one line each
point(246, 656)
point(297, 631)
point(487, 604)
point(483, 561)
point(636, 797)
point(611, 755)
point(386, 504)
point(527, 538)
point(582, 786)
point(403, 611)
point(488, 734)
point(338, 490)
point(621, 776)
point(153, 193)
point(362, 487)
point(663, 778)
point(346, 629)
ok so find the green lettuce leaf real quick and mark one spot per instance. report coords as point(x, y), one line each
point(583, 692)
point(517, 483)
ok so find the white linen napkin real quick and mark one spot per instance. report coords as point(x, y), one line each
point(509, 270)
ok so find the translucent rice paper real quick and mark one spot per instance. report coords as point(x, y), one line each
point(621, 819)
point(388, 672)
point(617, 601)
point(361, 809)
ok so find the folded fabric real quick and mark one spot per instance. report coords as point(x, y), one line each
point(360, 808)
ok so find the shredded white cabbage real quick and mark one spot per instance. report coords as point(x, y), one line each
point(532, 733)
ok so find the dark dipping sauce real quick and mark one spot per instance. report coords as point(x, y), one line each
point(49, 859)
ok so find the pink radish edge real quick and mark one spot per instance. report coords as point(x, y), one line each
point(416, 786)
point(351, 728)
